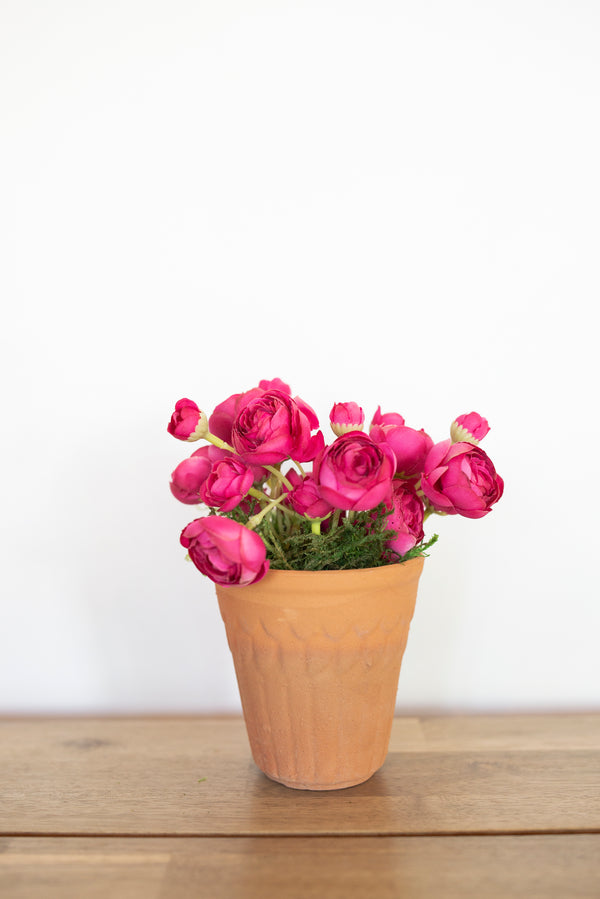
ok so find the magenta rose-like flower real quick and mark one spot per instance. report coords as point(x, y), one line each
point(354, 472)
point(225, 551)
point(469, 428)
point(222, 419)
point(406, 518)
point(410, 447)
point(188, 478)
point(305, 498)
point(274, 427)
point(227, 484)
point(460, 479)
point(188, 422)
point(346, 417)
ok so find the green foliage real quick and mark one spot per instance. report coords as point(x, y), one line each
point(353, 541)
point(419, 549)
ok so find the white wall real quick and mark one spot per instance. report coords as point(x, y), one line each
point(386, 202)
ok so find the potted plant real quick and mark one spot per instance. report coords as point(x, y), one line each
point(316, 552)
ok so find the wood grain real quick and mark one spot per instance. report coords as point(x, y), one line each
point(538, 867)
point(191, 776)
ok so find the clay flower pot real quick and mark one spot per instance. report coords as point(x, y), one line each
point(317, 657)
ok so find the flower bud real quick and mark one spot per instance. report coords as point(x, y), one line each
point(346, 417)
point(188, 422)
point(469, 428)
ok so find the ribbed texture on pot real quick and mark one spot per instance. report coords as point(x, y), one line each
point(317, 657)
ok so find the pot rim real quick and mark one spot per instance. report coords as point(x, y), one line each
point(338, 576)
point(338, 571)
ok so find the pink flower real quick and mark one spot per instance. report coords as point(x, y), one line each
point(188, 422)
point(354, 472)
point(410, 447)
point(227, 552)
point(406, 519)
point(388, 418)
point(274, 427)
point(305, 498)
point(227, 484)
point(469, 428)
point(224, 415)
point(346, 417)
point(188, 478)
point(460, 479)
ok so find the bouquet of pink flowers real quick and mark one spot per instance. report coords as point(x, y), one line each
point(363, 502)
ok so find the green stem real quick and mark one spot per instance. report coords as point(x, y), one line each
point(256, 519)
point(280, 477)
point(272, 501)
point(299, 467)
point(216, 441)
point(431, 511)
point(315, 525)
point(258, 494)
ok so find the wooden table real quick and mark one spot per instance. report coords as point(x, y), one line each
point(481, 807)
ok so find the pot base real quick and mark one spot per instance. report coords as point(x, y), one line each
point(328, 786)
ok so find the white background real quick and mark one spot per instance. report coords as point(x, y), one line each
point(389, 202)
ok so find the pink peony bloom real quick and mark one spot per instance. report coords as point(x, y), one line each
point(188, 478)
point(346, 417)
point(406, 519)
point(276, 384)
point(227, 484)
point(410, 447)
point(225, 551)
point(188, 422)
point(387, 418)
point(354, 472)
point(469, 428)
point(460, 479)
point(305, 498)
point(224, 415)
point(274, 427)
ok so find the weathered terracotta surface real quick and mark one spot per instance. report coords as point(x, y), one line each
point(317, 657)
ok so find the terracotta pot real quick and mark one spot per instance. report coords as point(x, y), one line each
point(317, 657)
